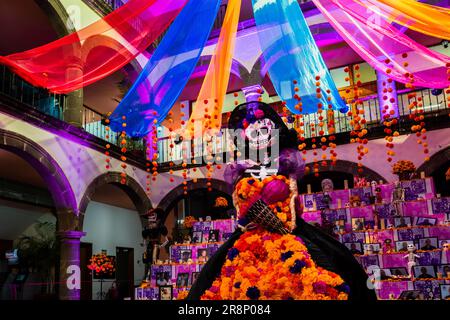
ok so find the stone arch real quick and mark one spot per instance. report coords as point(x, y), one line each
point(178, 192)
point(54, 177)
point(436, 161)
point(350, 168)
point(132, 188)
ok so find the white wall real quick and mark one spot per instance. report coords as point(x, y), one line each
point(108, 227)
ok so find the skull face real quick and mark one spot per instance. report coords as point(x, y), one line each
point(259, 134)
point(411, 248)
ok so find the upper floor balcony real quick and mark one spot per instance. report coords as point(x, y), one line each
point(35, 104)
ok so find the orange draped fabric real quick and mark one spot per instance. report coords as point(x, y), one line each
point(97, 50)
point(206, 117)
point(422, 17)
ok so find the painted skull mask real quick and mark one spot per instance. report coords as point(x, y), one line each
point(259, 133)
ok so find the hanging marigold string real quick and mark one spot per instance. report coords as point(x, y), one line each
point(123, 150)
point(108, 146)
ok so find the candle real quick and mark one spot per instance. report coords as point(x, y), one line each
point(308, 187)
point(422, 175)
point(339, 203)
point(345, 184)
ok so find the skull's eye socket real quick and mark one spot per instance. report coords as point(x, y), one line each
point(254, 134)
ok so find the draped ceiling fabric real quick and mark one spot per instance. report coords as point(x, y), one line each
point(421, 17)
point(167, 72)
point(290, 53)
point(98, 50)
point(384, 47)
point(206, 115)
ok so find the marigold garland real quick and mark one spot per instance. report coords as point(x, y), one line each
point(268, 266)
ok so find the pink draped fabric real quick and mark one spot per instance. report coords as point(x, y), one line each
point(98, 50)
point(383, 46)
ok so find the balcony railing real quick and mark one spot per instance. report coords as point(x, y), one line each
point(16, 88)
point(13, 87)
point(433, 106)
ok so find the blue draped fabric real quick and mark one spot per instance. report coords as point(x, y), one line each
point(167, 72)
point(290, 53)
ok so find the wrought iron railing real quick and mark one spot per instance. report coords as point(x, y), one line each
point(432, 105)
point(39, 99)
point(93, 123)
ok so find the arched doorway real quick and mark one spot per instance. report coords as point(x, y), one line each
point(40, 194)
point(198, 202)
point(112, 222)
point(338, 173)
point(436, 168)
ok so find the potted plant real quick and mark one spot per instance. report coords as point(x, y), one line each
point(39, 253)
point(404, 169)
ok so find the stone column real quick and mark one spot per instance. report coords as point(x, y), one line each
point(73, 109)
point(69, 269)
point(387, 96)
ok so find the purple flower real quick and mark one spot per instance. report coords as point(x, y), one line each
point(343, 288)
point(297, 267)
point(214, 289)
point(320, 287)
point(253, 293)
point(229, 271)
point(233, 253)
point(286, 255)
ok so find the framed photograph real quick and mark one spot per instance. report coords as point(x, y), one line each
point(165, 293)
point(430, 243)
point(424, 272)
point(444, 244)
point(202, 255)
point(186, 255)
point(402, 246)
point(425, 221)
point(194, 277)
point(410, 295)
point(383, 274)
point(410, 234)
point(339, 226)
point(372, 248)
point(445, 291)
point(358, 224)
point(369, 261)
point(402, 222)
point(354, 247)
point(205, 236)
point(444, 270)
point(162, 278)
point(213, 236)
point(400, 271)
point(197, 237)
point(182, 280)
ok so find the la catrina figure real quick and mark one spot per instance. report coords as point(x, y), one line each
point(275, 254)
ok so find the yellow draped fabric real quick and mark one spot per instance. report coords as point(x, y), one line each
point(206, 115)
point(424, 18)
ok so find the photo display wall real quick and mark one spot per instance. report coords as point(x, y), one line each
point(379, 233)
point(186, 261)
